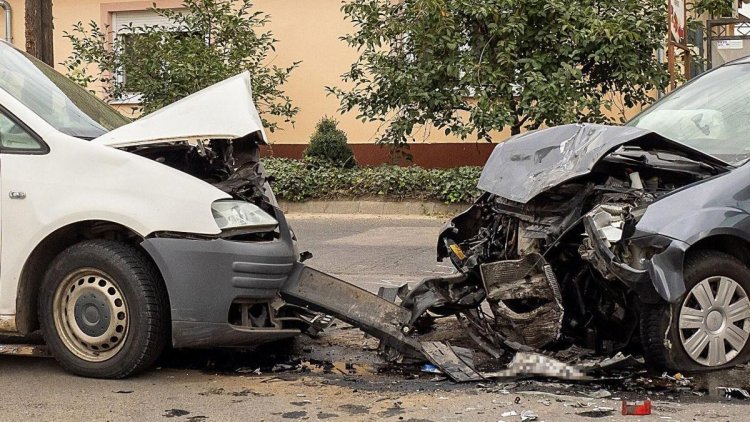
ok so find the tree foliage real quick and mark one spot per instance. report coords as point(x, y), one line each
point(716, 8)
point(475, 66)
point(204, 43)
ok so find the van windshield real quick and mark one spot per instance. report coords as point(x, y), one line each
point(62, 103)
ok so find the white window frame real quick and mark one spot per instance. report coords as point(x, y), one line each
point(120, 21)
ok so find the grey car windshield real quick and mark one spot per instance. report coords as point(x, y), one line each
point(62, 103)
point(710, 114)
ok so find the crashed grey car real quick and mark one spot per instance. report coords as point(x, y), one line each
point(609, 237)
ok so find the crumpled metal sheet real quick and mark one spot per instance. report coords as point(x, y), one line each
point(454, 361)
point(528, 164)
point(526, 364)
point(618, 361)
point(224, 110)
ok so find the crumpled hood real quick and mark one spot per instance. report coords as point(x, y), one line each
point(224, 110)
point(528, 164)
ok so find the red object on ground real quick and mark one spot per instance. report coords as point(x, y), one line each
point(638, 408)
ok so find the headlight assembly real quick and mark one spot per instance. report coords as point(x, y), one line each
point(230, 215)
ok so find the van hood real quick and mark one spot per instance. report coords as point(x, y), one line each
point(224, 110)
point(528, 164)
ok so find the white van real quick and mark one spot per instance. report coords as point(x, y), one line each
point(117, 237)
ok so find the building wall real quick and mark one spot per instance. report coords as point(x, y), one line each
point(308, 31)
point(17, 21)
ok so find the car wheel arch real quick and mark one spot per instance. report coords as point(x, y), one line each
point(52, 245)
point(730, 243)
point(666, 269)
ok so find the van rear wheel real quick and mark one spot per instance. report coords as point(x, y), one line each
point(103, 310)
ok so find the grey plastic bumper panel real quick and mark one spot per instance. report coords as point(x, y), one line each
point(666, 271)
point(186, 334)
point(204, 277)
point(663, 275)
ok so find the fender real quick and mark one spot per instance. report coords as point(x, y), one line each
point(675, 239)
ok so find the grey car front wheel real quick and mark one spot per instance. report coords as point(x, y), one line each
point(709, 326)
point(714, 321)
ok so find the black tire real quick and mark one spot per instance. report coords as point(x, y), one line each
point(130, 277)
point(660, 331)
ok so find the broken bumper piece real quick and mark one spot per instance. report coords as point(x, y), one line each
point(321, 292)
point(377, 316)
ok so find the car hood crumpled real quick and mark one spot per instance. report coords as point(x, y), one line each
point(526, 165)
point(224, 110)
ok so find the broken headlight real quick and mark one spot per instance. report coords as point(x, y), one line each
point(642, 249)
point(231, 215)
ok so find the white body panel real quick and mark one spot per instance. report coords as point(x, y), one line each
point(221, 111)
point(79, 181)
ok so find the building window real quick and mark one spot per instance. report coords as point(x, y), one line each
point(125, 37)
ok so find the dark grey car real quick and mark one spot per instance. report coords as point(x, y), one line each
point(609, 237)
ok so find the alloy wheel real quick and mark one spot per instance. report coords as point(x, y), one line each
point(714, 321)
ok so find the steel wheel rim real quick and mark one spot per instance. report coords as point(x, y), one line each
point(714, 321)
point(91, 315)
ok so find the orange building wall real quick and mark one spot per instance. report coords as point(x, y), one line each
point(307, 31)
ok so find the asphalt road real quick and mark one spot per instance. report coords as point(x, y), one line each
point(372, 251)
point(198, 386)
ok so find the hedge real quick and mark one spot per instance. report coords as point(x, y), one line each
point(297, 180)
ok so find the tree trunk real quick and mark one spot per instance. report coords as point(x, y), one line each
point(39, 30)
point(515, 130)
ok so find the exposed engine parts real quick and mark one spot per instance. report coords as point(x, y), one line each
point(525, 298)
point(232, 166)
point(531, 274)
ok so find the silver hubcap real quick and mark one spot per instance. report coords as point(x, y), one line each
point(714, 321)
point(91, 315)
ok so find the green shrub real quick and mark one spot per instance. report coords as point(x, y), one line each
point(329, 145)
point(297, 180)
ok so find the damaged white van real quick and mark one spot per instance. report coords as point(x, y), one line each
point(117, 236)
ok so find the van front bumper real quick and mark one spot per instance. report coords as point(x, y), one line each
point(205, 278)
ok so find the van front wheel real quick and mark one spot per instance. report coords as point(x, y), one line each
point(103, 310)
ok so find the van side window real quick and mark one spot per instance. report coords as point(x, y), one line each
point(14, 138)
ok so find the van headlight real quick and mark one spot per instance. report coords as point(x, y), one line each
point(242, 215)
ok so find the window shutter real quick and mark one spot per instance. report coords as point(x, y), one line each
point(137, 18)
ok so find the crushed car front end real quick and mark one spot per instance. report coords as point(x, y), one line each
point(553, 254)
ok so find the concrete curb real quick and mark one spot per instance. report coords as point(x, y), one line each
point(372, 207)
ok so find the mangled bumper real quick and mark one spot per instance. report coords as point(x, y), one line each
point(659, 274)
point(224, 292)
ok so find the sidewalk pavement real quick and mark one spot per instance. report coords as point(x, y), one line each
point(372, 207)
